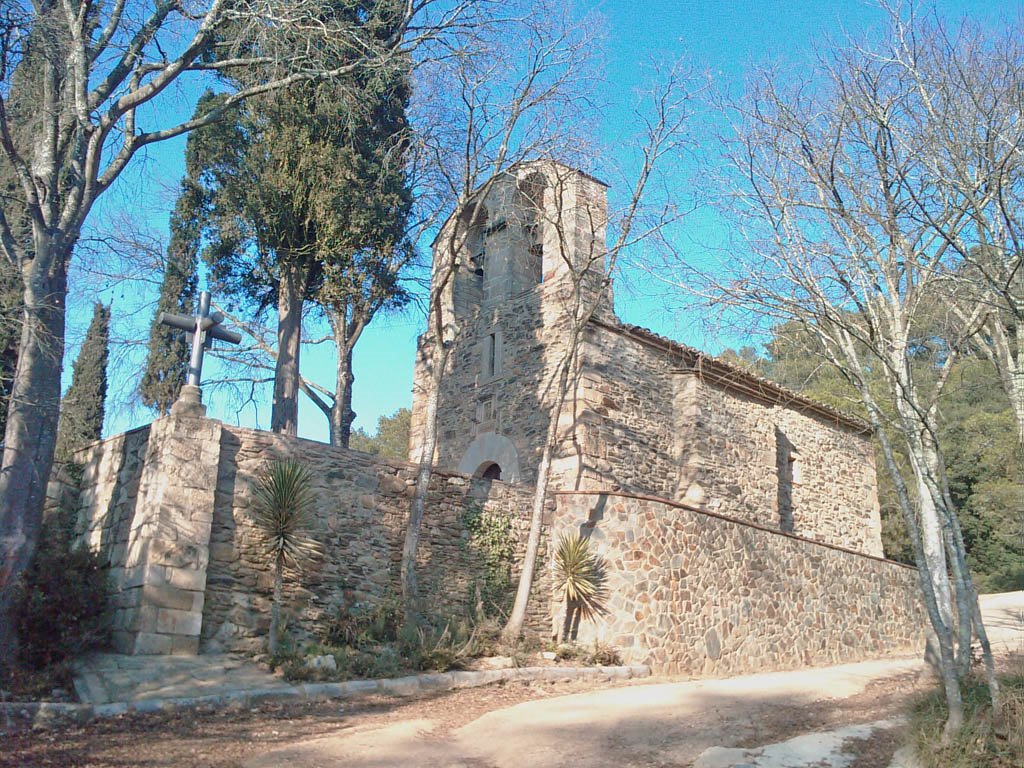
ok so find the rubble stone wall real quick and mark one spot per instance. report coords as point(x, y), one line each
point(702, 594)
point(648, 427)
point(511, 398)
point(627, 425)
point(111, 470)
point(781, 468)
point(360, 517)
point(168, 507)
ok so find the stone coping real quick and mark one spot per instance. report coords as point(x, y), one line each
point(45, 714)
point(729, 519)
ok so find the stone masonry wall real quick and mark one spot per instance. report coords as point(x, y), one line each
point(184, 577)
point(650, 427)
point(515, 401)
point(360, 518)
point(146, 504)
point(775, 466)
point(695, 593)
point(627, 427)
point(108, 489)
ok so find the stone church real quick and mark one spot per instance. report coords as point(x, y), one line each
point(737, 521)
point(644, 415)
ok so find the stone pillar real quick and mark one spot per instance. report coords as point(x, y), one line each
point(168, 548)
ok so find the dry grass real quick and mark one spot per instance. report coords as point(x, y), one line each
point(988, 739)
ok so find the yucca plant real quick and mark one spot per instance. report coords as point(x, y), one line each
point(580, 577)
point(283, 516)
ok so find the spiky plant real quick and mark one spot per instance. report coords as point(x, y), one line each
point(580, 577)
point(283, 516)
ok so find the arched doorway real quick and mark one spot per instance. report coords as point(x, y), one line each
point(491, 452)
point(489, 471)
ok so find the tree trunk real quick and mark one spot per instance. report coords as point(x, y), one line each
point(923, 462)
point(943, 632)
point(32, 417)
point(517, 617)
point(1016, 392)
point(959, 552)
point(284, 417)
point(275, 607)
point(410, 586)
point(342, 414)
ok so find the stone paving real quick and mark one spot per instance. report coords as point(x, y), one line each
point(811, 749)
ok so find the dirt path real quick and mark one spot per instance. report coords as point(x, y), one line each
point(632, 724)
point(663, 724)
point(644, 723)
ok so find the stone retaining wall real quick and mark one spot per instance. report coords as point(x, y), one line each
point(701, 594)
point(363, 503)
point(168, 509)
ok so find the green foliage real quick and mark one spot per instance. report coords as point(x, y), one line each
point(580, 576)
point(61, 608)
point(603, 656)
point(365, 625)
point(82, 409)
point(283, 512)
point(391, 440)
point(10, 333)
point(987, 739)
point(168, 352)
point(491, 537)
point(283, 517)
point(440, 649)
point(368, 641)
point(984, 468)
point(303, 194)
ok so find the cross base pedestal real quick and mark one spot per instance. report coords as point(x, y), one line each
point(189, 403)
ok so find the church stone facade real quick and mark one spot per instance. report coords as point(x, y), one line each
point(738, 522)
point(644, 415)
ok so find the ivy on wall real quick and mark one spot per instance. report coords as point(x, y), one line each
point(491, 538)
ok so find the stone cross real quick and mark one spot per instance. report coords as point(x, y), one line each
point(200, 330)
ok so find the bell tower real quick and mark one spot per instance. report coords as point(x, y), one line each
point(514, 261)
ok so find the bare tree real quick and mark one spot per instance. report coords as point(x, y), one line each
point(826, 191)
point(588, 277)
point(519, 89)
point(77, 83)
point(967, 84)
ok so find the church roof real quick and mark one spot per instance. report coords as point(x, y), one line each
point(735, 378)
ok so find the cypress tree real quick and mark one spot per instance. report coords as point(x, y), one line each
point(167, 360)
point(81, 410)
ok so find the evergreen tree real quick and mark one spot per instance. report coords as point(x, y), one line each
point(302, 196)
point(167, 360)
point(81, 411)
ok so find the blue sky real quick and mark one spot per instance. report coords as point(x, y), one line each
point(726, 39)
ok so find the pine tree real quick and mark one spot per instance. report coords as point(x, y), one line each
point(167, 360)
point(81, 410)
